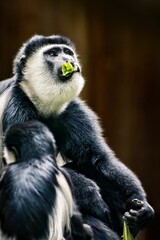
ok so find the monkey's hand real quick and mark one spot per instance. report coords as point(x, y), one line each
point(139, 215)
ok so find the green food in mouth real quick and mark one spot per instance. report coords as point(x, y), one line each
point(68, 69)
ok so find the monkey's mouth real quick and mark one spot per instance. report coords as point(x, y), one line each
point(64, 77)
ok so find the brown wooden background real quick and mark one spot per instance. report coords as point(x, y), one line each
point(119, 47)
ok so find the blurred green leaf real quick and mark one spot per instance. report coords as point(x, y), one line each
point(126, 232)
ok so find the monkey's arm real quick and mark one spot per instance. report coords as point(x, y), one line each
point(18, 109)
point(5, 84)
point(88, 197)
point(78, 136)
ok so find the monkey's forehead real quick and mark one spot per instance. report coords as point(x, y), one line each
point(51, 46)
point(37, 42)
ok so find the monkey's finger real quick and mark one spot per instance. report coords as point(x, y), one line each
point(131, 220)
point(140, 213)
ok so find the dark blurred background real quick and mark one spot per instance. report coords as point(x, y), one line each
point(119, 47)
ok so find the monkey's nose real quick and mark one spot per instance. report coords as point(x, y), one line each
point(72, 63)
point(67, 59)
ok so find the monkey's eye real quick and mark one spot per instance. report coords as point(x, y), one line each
point(53, 52)
point(68, 51)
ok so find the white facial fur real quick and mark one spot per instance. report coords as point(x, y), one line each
point(46, 91)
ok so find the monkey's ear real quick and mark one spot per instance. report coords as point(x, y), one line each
point(22, 62)
point(10, 155)
point(4, 161)
point(22, 59)
point(15, 152)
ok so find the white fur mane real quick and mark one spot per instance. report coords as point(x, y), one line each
point(63, 210)
point(4, 99)
point(45, 90)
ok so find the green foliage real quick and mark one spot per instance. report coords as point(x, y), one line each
point(126, 232)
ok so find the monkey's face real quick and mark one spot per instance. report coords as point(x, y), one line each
point(56, 56)
point(42, 75)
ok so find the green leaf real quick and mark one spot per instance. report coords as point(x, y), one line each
point(126, 232)
point(68, 69)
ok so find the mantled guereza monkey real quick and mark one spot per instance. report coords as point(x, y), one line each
point(39, 91)
point(36, 201)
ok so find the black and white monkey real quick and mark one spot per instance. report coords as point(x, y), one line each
point(35, 194)
point(39, 91)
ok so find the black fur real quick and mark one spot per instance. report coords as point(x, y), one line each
point(95, 211)
point(100, 230)
point(88, 197)
point(28, 186)
point(78, 138)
